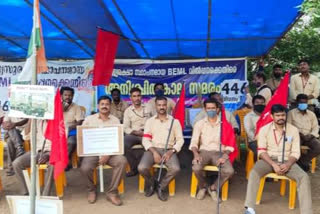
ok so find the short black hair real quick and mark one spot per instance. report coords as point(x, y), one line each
point(214, 101)
point(304, 60)
point(104, 97)
point(258, 97)
point(261, 75)
point(158, 83)
point(277, 108)
point(302, 97)
point(276, 66)
point(135, 89)
point(115, 89)
point(161, 98)
point(213, 94)
point(64, 88)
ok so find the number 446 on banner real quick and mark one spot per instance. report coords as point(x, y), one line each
point(232, 90)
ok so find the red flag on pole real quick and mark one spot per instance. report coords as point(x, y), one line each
point(179, 112)
point(228, 137)
point(280, 96)
point(106, 49)
point(55, 132)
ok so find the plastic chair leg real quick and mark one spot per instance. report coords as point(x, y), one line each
point(261, 186)
point(313, 165)
point(59, 185)
point(283, 187)
point(121, 187)
point(194, 184)
point(172, 187)
point(292, 194)
point(41, 177)
point(141, 184)
point(95, 176)
point(225, 188)
point(249, 163)
point(1, 154)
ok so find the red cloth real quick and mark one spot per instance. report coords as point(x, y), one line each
point(55, 132)
point(228, 137)
point(280, 96)
point(179, 112)
point(106, 49)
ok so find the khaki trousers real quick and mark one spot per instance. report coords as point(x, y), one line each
point(211, 157)
point(147, 162)
point(23, 162)
point(262, 168)
point(314, 151)
point(118, 164)
point(14, 140)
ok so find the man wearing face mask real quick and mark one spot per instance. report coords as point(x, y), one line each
point(205, 145)
point(159, 90)
point(73, 116)
point(251, 119)
point(262, 88)
point(275, 80)
point(307, 123)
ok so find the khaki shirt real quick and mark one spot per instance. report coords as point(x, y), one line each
point(134, 120)
point(273, 83)
point(306, 123)
point(230, 118)
point(311, 87)
point(73, 115)
point(41, 129)
point(118, 110)
point(95, 120)
point(156, 133)
point(268, 136)
point(206, 136)
point(151, 106)
point(266, 93)
point(250, 121)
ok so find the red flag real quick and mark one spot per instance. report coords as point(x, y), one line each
point(106, 49)
point(228, 137)
point(55, 132)
point(280, 96)
point(179, 112)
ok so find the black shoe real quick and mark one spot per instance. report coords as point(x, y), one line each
point(68, 167)
point(149, 189)
point(303, 166)
point(132, 173)
point(163, 194)
point(19, 151)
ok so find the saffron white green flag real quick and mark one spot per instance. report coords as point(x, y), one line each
point(36, 59)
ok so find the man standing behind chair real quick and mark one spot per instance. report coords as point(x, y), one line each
point(134, 120)
point(307, 123)
point(73, 117)
point(262, 88)
point(154, 140)
point(118, 106)
point(275, 79)
point(270, 144)
point(205, 145)
point(304, 83)
point(159, 90)
point(250, 121)
point(117, 162)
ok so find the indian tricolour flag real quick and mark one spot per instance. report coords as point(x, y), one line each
point(36, 59)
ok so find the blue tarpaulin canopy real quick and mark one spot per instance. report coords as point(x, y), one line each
point(150, 29)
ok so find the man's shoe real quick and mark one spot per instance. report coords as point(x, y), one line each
point(132, 173)
point(19, 151)
point(149, 189)
point(114, 199)
point(92, 197)
point(201, 193)
point(162, 194)
point(249, 211)
point(305, 167)
point(10, 172)
point(214, 195)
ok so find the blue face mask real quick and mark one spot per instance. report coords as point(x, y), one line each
point(302, 106)
point(211, 113)
point(159, 93)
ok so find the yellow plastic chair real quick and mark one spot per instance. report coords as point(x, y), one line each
point(1, 160)
point(292, 188)
point(172, 184)
point(241, 113)
point(194, 183)
point(95, 172)
point(313, 161)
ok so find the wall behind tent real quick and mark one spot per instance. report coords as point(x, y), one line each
point(225, 76)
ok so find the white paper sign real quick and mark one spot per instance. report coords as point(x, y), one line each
point(100, 140)
point(32, 101)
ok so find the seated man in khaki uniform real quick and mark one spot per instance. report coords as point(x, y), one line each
point(159, 91)
point(117, 162)
point(205, 145)
point(23, 162)
point(73, 116)
point(134, 120)
point(118, 106)
point(154, 140)
point(307, 123)
point(270, 150)
point(14, 128)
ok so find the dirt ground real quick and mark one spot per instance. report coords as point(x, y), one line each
point(75, 201)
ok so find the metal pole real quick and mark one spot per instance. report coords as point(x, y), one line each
point(34, 121)
point(219, 172)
